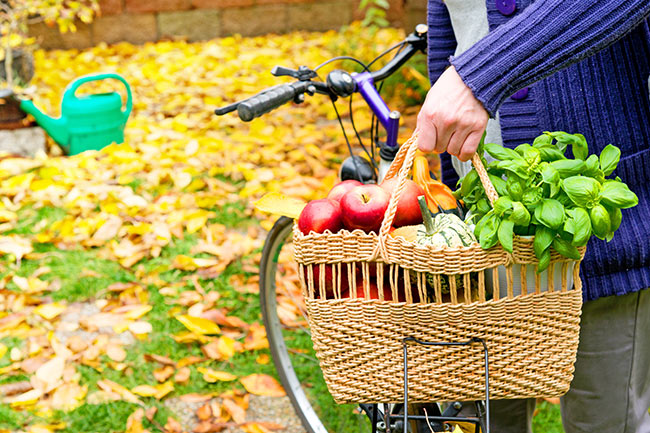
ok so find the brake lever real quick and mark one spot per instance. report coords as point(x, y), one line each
point(303, 73)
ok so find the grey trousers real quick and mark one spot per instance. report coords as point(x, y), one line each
point(610, 391)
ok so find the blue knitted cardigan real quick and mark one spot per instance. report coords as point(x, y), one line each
point(587, 65)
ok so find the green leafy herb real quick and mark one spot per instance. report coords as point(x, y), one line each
point(609, 158)
point(582, 226)
point(600, 222)
point(562, 201)
point(543, 239)
point(520, 215)
point(502, 205)
point(582, 190)
point(488, 236)
point(550, 154)
point(501, 153)
point(569, 167)
point(615, 219)
point(566, 249)
point(617, 195)
point(505, 234)
point(550, 213)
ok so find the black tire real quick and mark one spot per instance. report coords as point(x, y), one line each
point(290, 341)
point(268, 267)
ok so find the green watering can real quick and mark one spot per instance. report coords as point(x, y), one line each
point(88, 122)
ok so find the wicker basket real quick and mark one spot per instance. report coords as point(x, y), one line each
point(531, 332)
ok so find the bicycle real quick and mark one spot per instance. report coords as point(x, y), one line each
point(339, 84)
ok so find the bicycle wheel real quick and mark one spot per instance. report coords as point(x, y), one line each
point(284, 314)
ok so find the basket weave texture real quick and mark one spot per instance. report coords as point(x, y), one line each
point(437, 295)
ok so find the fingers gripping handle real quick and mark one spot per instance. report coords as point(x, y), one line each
point(267, 101)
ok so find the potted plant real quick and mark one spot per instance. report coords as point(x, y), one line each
point(16, 61)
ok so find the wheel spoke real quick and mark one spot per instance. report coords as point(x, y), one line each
point(293, 328)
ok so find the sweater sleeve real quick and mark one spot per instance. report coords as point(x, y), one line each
point(441, 39)
point(547, 36)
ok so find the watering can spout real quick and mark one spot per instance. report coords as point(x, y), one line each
point(55, 128)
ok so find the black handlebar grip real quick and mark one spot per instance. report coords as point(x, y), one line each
point(268, 100)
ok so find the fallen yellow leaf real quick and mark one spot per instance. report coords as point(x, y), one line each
point(25, 399)
point(134, 422)
point(163, 389)
point(262, 384)
point(187, 263)
point(15, 245)
point(137, 312)
point(182, 375)
point(199, 325)
point(125, 394)
point(145, 390)
point(68, 396)
point(211, 376)
point(50, 373)
point(253, 427)
point(263, 358)
point(237, 413)
point(50, 311)
point(163, 373)
point(280, 204)
point(115, 352)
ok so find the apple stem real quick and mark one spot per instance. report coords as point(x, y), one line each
point(426, 215)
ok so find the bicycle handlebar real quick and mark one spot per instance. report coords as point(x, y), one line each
point(270, 99)
point(276, 96)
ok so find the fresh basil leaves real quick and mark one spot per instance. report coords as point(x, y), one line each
point(561, 201)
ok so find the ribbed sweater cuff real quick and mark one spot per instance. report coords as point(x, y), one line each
point(546, 37)
point(441, 39)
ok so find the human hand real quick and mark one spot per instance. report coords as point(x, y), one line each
point(451, 118)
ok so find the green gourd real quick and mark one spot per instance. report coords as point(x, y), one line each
point(445, 230)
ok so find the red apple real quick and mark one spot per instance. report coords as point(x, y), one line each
point(339, 190)
point(329, 280)
point(372, 269)
point(373, 291)
point(408, 210)
point(388, 294)
point(320, 215)
point(363, 207)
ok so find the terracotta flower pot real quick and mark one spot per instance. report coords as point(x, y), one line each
point(11, 116)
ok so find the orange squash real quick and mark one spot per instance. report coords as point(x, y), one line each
point(436, 192)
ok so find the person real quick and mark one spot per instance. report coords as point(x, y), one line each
point(516, 68)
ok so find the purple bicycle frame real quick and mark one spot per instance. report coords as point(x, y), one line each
point(389, 119)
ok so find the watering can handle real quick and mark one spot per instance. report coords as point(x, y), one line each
point(72, 88)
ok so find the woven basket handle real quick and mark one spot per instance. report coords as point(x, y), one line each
point(490, 191)
point(401, 167)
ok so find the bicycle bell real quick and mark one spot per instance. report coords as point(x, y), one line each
point(341, 82)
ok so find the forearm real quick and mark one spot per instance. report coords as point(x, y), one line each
point(547, 36)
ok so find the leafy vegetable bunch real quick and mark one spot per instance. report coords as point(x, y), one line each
point(561, 201)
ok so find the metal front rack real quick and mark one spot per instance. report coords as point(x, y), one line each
point(481, 421)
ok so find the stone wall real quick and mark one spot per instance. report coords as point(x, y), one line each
point(140, 21)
